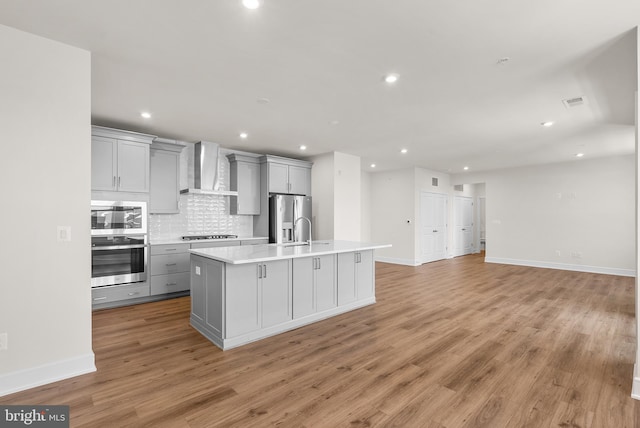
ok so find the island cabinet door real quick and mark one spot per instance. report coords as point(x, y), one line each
point(325, 282)
point(276, 292)
point(347, 292)
point(303, 289)
point(242, 293)
point(364, 274)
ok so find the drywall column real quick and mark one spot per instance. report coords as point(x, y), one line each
point(45, 168)
point(347, 198)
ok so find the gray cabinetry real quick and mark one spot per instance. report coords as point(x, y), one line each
point(245, 179)
point(164, 192)
point(119, 160)
point(285, 175)
point(105, 295)
point(257, 296)
point(210, 244)
point(169, 269)
point(254, 241)
point(314, 285)
point(355, 276)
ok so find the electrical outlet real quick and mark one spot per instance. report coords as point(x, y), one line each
point(4, 341)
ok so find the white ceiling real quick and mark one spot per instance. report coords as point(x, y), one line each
point(199, 66)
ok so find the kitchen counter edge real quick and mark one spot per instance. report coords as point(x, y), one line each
point(270, 252)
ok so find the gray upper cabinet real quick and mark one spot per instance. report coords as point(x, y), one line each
point(119, 160)
point(245, 179)
point(285, 175)
point(164, 193)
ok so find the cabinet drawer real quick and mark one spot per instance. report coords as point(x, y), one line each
point(254, 242)
point(210, 244)
point(119, 292)
point(169, 263)
point(163, 284)
point(169, 249)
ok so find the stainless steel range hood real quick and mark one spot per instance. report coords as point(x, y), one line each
point(203, 171)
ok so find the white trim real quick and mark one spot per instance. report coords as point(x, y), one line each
point(46, 373)
point(562, 266)
point(393, 260)
point(635, 388)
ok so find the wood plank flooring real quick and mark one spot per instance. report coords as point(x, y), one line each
point(455, 343)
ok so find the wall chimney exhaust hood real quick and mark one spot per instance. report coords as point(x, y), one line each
point(202, 171)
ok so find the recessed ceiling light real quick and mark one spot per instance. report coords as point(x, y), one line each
point(403, 151)
point(146, 115)
point(373, 165)
point(391, 78)
point(579, 155)
point(303, 147)
point(547, 124)
point(244, 135)
point(251, 4)
point(466, 168)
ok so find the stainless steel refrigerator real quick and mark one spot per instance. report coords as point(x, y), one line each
point(284, 210)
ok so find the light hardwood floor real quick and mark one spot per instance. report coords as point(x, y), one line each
point(456, 343)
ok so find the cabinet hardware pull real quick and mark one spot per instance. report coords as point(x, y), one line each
point(319, 266)
point(99, 298)
point(265, 271)
point(134, 293)
point(169, 284)
point(259, 271)
point(171, 249)
point(434, 230)
point(171, 264)
point(119, 181)
point(113, 182)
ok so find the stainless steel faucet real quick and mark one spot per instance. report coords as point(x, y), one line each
point(294, 227)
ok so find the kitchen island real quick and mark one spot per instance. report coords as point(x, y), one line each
point(243, 294)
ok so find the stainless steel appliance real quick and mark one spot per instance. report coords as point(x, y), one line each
point(118, 259)
point(118, 242)
point(118, 218)
point(285, 211)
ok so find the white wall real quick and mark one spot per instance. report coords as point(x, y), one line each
point(322, 194)
point(365, 206)
point(346, 203)
point(45, 301)
point(573, 215)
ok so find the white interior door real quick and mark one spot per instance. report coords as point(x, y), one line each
point(433, 221)
point(463, 225)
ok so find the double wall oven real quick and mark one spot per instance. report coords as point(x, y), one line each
point(118, 242)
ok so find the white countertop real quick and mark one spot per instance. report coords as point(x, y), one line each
point(179, 240)
point(265, 253)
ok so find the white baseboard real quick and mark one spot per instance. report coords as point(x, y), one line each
point(562, 266)
point(46, 373)
point(406, 262)
point(635, 388)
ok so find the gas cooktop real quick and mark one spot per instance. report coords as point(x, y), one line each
point(199, 237)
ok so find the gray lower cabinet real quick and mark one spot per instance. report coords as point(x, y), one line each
point(314, 285)
point(355, 276)
point(169, 268)
point(232, 300)
point(257, 296)
point(254, 241)
point(116, 293)
point(210, 244)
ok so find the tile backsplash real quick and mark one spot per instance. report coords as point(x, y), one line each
point(202, 214)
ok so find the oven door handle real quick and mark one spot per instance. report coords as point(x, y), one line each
point(117, 247)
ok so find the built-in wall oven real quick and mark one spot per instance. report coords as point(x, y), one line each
point(118, 242)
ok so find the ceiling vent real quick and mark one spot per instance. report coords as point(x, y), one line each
point(574, 102)
point(434, 181)
point(458, 187)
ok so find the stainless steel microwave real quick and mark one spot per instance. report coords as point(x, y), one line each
point(118, 218)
